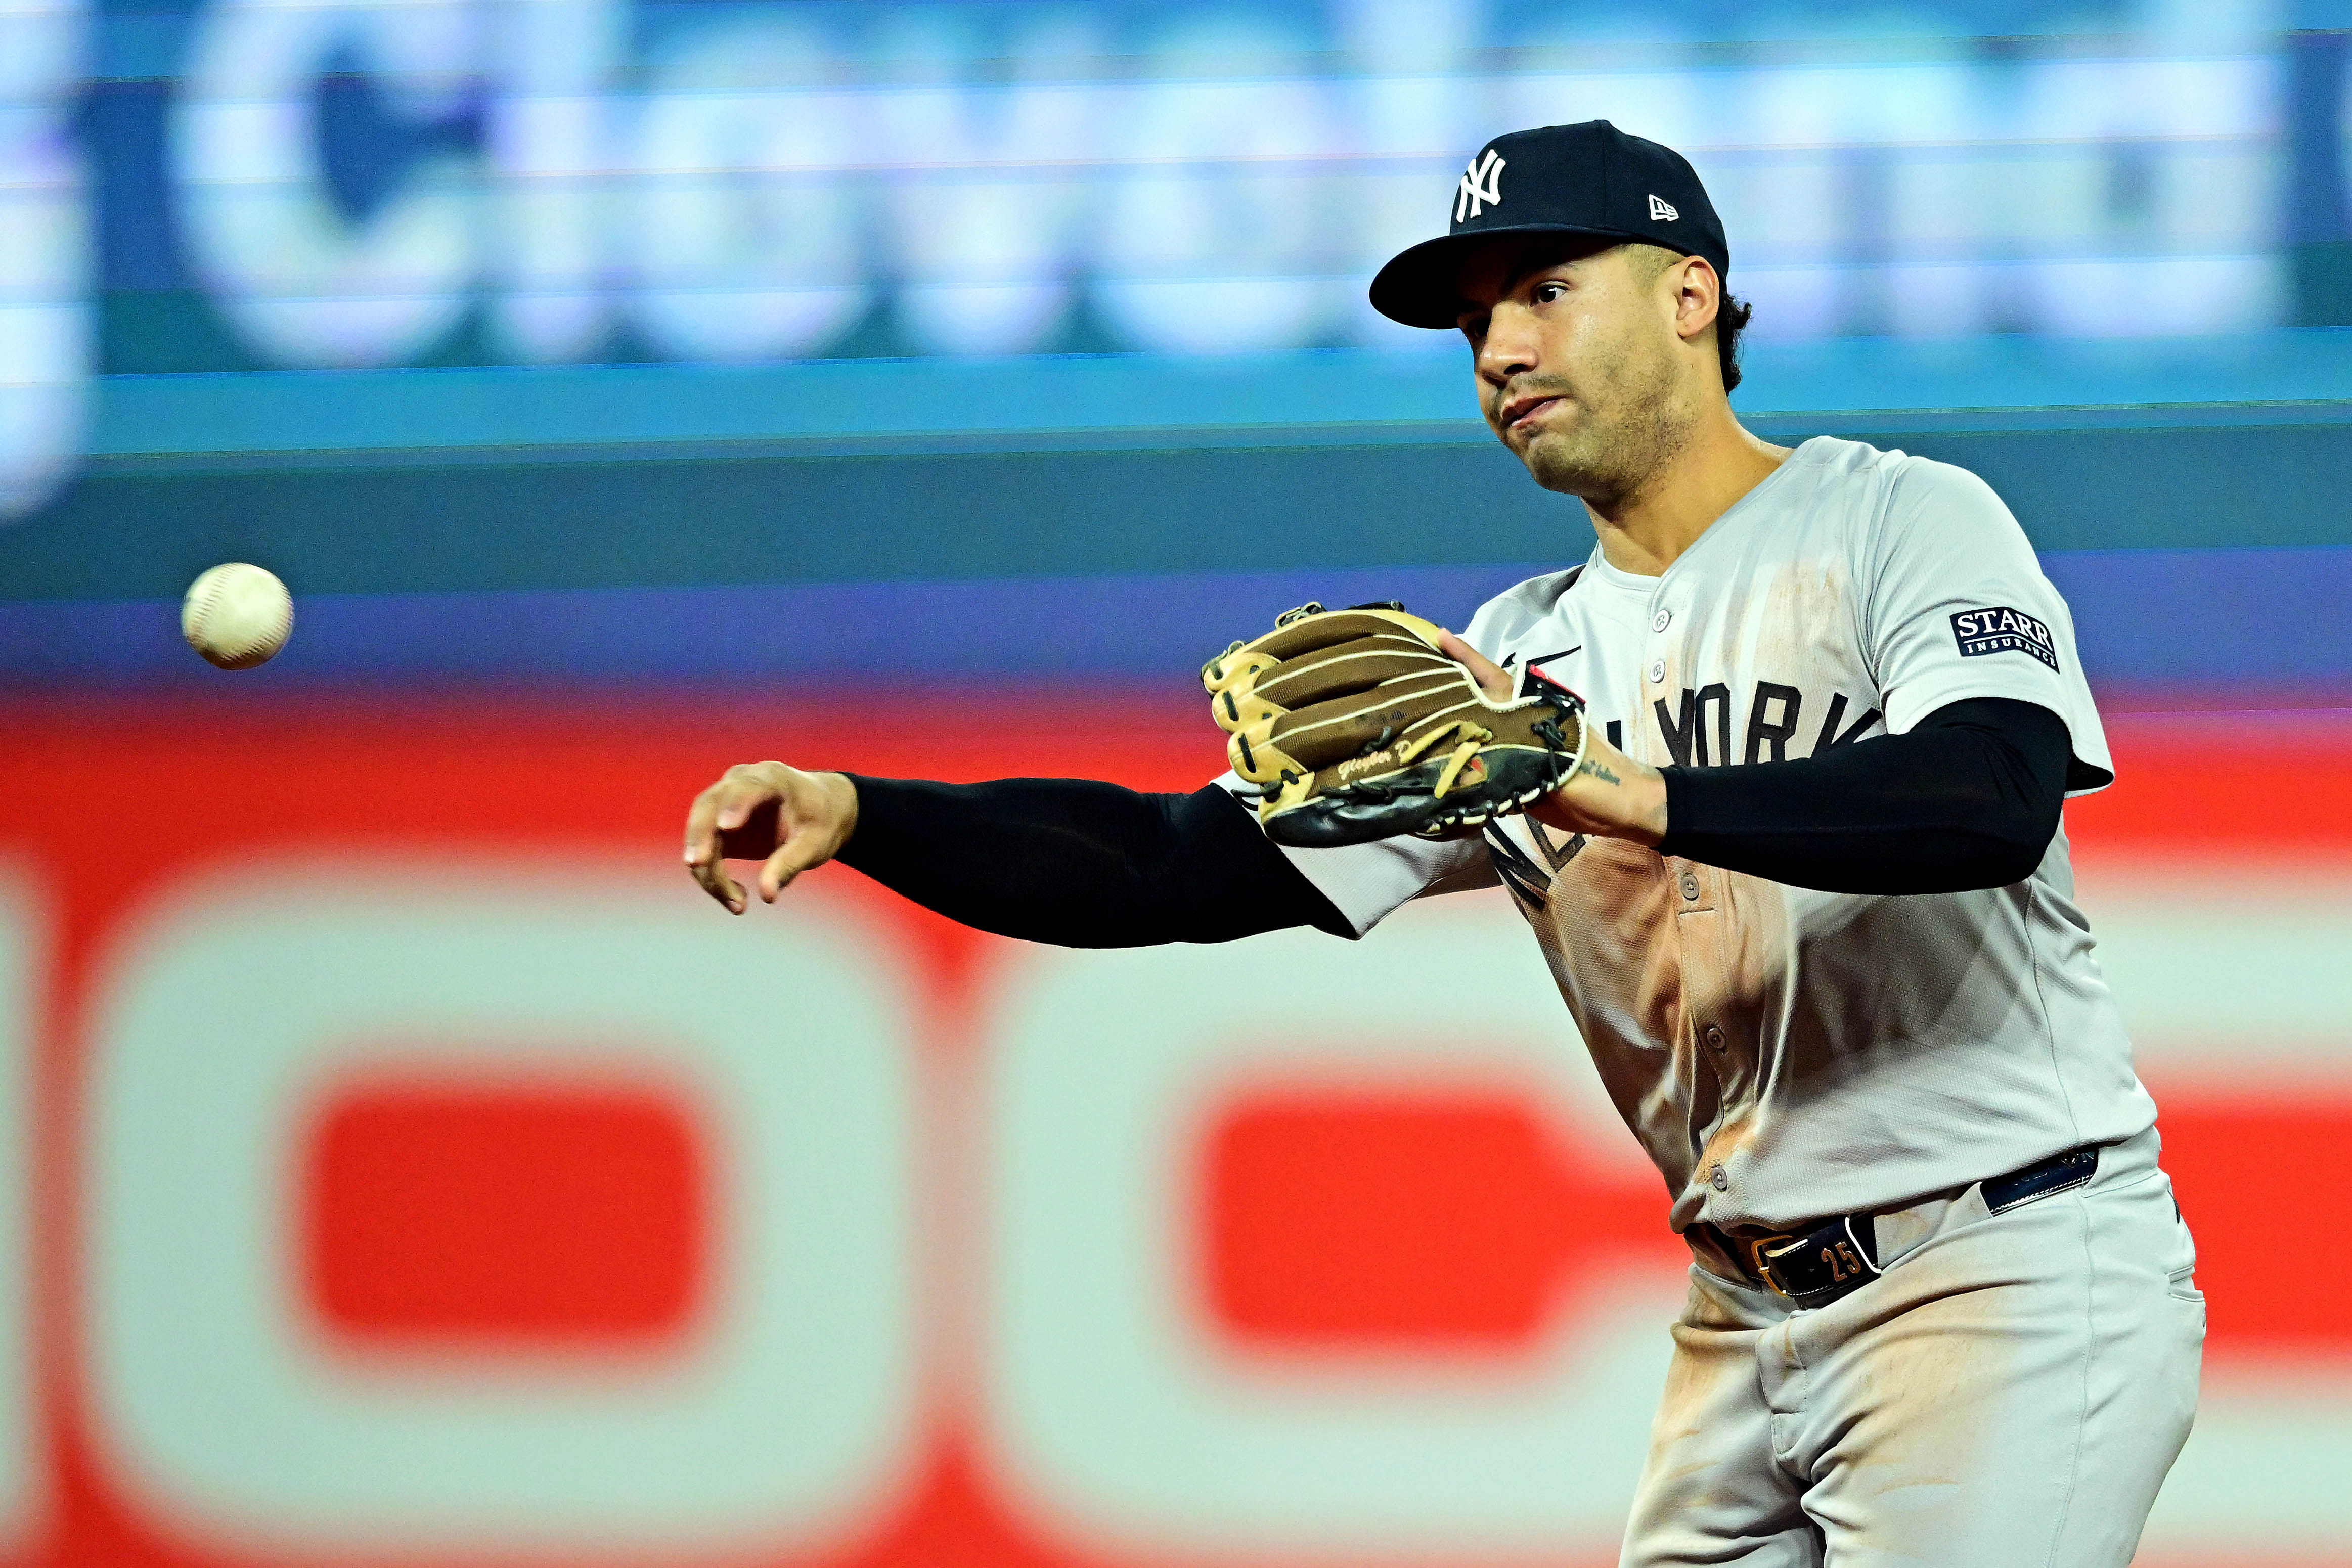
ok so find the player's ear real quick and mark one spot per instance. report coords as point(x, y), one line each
point(1698, 295)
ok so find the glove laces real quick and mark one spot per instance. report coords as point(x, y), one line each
point(1473, 736)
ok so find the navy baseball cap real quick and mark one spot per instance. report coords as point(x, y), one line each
point(1586, 178)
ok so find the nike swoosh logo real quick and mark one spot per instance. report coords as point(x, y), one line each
point(1534, 670)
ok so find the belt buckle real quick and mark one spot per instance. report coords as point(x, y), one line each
point(1763, 1265)
point(1850, 1262)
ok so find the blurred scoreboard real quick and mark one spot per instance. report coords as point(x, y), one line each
point(211, 185)
point(412, 1167)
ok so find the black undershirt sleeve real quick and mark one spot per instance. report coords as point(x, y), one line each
point(1081, 863)
point(1969, 798)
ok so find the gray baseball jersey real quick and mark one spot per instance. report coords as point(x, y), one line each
point(1784, 1053)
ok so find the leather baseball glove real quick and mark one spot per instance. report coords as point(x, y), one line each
point(1357, 728)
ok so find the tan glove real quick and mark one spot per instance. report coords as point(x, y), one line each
point(1357, 728)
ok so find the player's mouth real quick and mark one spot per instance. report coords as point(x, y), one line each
point(1523, 408)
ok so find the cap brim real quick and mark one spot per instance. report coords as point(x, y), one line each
point(1422, 287)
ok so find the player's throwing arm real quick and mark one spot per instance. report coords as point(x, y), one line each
point(793, 821)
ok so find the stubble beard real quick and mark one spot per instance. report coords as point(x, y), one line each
point(1622, 440)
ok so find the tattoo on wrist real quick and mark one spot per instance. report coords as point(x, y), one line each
point(1598, 771)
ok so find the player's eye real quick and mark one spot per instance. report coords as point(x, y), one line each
point(1549, 292)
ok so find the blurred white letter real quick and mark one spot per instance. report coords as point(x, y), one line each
point(23, 983)
point(748, 231)
point(1218, 238)
point(1119, 1416)
point(781, 1424)
point(308, 287)
point(43, 252)
point(987, 182)
point(551, 146)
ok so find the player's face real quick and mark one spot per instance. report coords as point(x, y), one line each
point(1578, 364)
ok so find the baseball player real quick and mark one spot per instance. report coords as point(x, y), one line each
point(1801, 728)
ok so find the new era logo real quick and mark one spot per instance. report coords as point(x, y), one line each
point(1482, 184)
point(2001, 630)
point(1661, 211)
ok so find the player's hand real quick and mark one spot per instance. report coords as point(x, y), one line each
point(788, 820)
point(1610, 795)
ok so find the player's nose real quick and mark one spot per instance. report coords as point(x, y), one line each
point(1510, 348)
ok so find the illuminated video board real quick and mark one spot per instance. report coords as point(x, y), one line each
point(251, 184)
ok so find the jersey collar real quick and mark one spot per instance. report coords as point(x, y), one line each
point(1634, 583)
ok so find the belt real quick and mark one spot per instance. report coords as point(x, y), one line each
point(1820, 1262)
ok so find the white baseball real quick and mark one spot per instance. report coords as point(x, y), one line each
point(236, 615)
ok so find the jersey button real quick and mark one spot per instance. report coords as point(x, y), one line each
point(1690, 887)
point(1715, 1040)
point(1717, 1179)
point(1657, 672)
point(1662, 619)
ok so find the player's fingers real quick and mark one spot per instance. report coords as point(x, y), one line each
point(803, 850)
point(1491, 678)
point(729, 891)
point(714, 879)
point(702, 828)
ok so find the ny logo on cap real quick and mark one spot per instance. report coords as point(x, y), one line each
point(1481, 183)
point(1661, 211)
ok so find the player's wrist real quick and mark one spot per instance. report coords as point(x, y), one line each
point(840, 797)
point(1674, 810)
point(1634, 807)
point(1609, 796)
point(1651, 802)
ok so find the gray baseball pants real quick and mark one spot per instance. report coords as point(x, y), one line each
point(2009, 1393)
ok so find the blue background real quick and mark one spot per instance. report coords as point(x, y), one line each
point(1084, 495)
